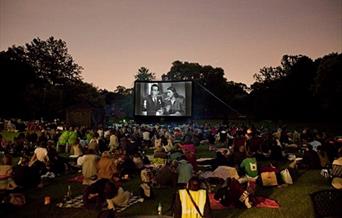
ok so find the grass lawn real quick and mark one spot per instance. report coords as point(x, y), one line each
point(294, 200)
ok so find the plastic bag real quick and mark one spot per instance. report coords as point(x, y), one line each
point(286, 176)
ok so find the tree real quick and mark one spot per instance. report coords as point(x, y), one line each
point(44, 80)
point(50, 60)
point(83, 93)
point(268, 74)
point(144, 74)
point(16, 85)
point(123, 101)
point(327, 85)
point(123, 90)
point(283, 92)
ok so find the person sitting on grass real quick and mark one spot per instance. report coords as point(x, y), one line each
point(39, 161)
point(22, 174)
point(106, 167)
point(189, 151)
point(120, 199)
point(239, 148)
point(113, 141)
point(6, 180)
point(94, 143)
point(126, 167)
point(166, 176)
point(337, 171)
point(185, 172)
point(232, 194)
point(57, 164)
point(168, 147)
point(98, 193)
point(63, 141)
point(40, 156)
point(311, 159)
point(88, 163)
point(323, 156)
point(250, 167)
point(138, 161)
point(193, 201)
point(76, 149)
point(221, 159)
point(157, 142)
point(145, 188)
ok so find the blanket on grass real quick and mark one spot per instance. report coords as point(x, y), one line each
point(262, 202)
point(77, 202)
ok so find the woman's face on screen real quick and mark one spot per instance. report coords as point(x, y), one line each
point(169, 93)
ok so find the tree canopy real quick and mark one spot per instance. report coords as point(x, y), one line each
point(44, 80)
point(293, 90)
point(144, 74)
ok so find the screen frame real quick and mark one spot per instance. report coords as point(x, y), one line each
point(161, 81)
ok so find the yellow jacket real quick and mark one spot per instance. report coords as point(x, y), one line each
point(188, 208)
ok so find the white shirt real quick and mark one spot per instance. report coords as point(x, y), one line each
point(315, 144)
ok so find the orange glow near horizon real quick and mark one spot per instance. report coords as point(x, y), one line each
point(111, 40)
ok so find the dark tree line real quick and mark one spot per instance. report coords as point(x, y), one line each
point(41, 79)
point(299, 89)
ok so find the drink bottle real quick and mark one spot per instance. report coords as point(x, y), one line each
point(160, 209)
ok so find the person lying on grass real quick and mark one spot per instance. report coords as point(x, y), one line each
point(98, 192)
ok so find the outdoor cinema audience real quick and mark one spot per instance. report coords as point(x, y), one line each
point(165, 156)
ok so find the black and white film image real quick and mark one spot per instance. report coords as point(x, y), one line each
point(163, 98)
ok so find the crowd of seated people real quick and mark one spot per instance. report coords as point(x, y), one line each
point(107, 157)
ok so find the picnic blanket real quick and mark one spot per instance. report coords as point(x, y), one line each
point(222, 172)
point(77, 202)
point(261, 202)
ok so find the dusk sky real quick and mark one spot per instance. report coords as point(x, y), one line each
point(112, 39)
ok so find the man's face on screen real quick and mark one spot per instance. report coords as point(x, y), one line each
point(154, 90)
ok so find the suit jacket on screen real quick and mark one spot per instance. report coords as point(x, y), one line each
point(151, 106)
